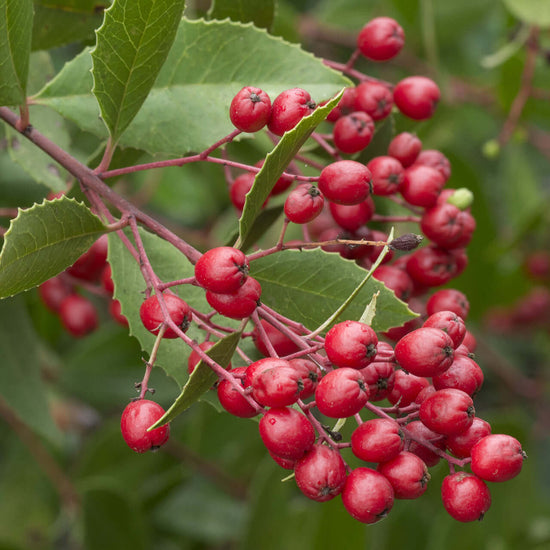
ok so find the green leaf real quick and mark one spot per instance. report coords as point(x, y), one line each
point(22, 387)
point(308, 286)
point(245, 11)
point(276, 162)
point(44, 240)
point(132, 45)
point(57, 23)
point(15, 48)
point(534, 12)
point(202, 378)
point(187, 109)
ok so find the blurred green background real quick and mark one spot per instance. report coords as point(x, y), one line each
point(213, 486)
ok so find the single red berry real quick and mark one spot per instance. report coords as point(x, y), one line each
point(78, 315)
point(405, 388)
point(152, 318)
point(377, 440)
point(431, 266)
point(448, 226)
point(451, 300)
point(53, 291)
point(239, 304)
point(464, 374)
point(379, 377)
point(416, 97)
point(537, 265)
point(437, 160)
point(107, 280)
point(304, 203)
point(222, 270)
point(287, 433)
point(424, 393)
point(90, 265)
point(240, 188)
point(341, 393)
point(115, 310)
point(469, 341)
point(136, 418)
point(425, 352)
point(285, 463)
point(279, 386)
point(233, 401)
point(449, 322)
point(387, 175)
point(448, 411)
point(421, 185)
point(497, 457)
point(351, 344)
point(381, 39)
point(395, 279)
point(405, 147)
point(408, 475)
point(345, 106)
point(374, 98)
point(345, 182)
point(367, 496)
point(250, 109)
point(281, 185)
point(352, 133)
point(310, 374)
point(352, 217)
point(288, 108)
point(254, 370)
point(461, 444)
point(423, 437)
point(465, 497)
point(321, 473)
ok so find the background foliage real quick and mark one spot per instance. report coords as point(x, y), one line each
point(213, 486)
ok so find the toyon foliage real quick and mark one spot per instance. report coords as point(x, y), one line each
point(320, 304)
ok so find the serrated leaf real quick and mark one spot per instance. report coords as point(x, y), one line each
point(207, 65)
point(534, 12)
point(15, 47)
point(132, 45)
point(202, 378)
point(308, 286)
point(43, 241)
point(22, 387)
point(259, 13)
point(276, 162)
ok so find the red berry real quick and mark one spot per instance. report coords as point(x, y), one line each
point(367, 495)
point(405, 388)
point(464, 374)
point(116, 313)
point(233, 401)
point(281, 185)
point(152, 318)
point(304, 203)
point(352, 217)
point(432, 266)
point(53, 292)
point(451, 300)
point(377, 440)
point(240, 188)
point(250, 109)
point(497, 457)
point(194, 358)
point(469, 341)
point(422, 435)
point(351, 344)
point(449, 322)
point(78, 315)
point(239, 304)
point(381, 39)
point(90, 265)
point(437, 160)
point(321, 473)
point(345, 106)
point(341, 393)
point(254, 370)
point(465, 496)
point(421, 185)
point(281, 343)
point(107, 280)
point(379, 377)
point(310, 375)
point(287, 433)
point(136, 418)
point(288, 108)
point(461, 444)
point(279, 386)
point(448, 226)
point(395, 279)
point(448, 411)
point(416, 97)
point(374, 98)
point(537, 265)
point(387, 175)
point(408, 475)
point(405, 147)
point(353, 132)
point(345, 182)
point(222, 270)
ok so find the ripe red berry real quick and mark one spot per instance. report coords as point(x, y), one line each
point(449, 322)
point(449, 299)
point(381, 39)
point(239, 304)
point(367, 496)
point(395, 279)
point(353, 132)
point(194, 358)
point(136, 418)
point(352, 217)
point(288, 108)
point(321, 473)
point(233, 401)
point(152, 318)
point(465, 496)
point(448, 226)
point(107, 280)
point(279, 386)
point(90, 265)
point(222, 270)
point(240, 188)
point(345, 106)
point(421, 185)
point(304, 203)
point(416, 97)
point(287, 433)
point(405, 388)
point(448, 411)
point(377, 440)
point(351, 344)
point(464, 374)
point(115, 310)
point(310, 374)
point(341, 393)
point(78, 315)
point(387, 175)
point(437, 160)
point(374, 98)
point(345, 182)
point(379, 377)
point(497, 457)
point(423, 435)
point(281, 343)
point(461, 444)
point(53, 291)
point(432, 266)
point(250, 109)
point(408, 475)
point(405, 147)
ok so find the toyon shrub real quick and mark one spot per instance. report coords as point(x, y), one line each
point(319, 310)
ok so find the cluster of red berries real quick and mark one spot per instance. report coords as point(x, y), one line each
point(91, 272)
point(428, 376)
